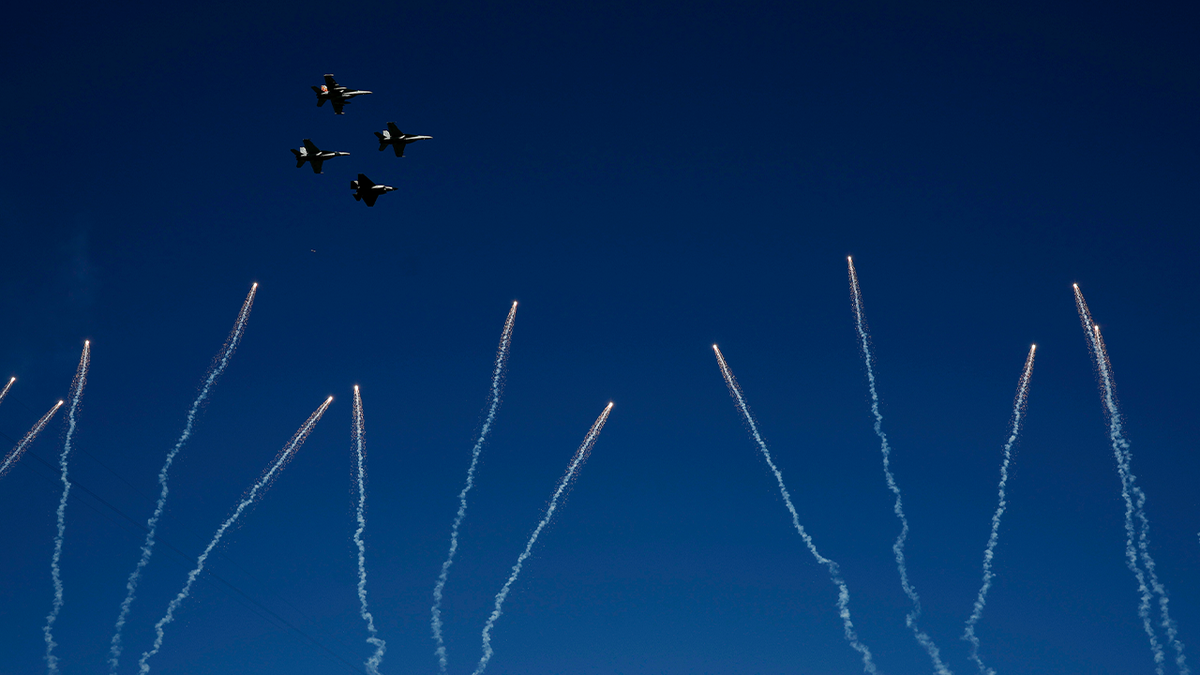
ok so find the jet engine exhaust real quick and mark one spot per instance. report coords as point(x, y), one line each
point(19, 449)
point(220, 362)
point(835, 574)
point(77, 385)
point(981, 599)
point(360, 452)
point(264, 482)
point(577, 461)
point(897, 548)
point(492, 405)
point(1135, 502)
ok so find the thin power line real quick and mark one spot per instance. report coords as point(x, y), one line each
point(312, 640)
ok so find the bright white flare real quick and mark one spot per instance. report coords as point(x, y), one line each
point(263, 483)
point(898, 508)
point(989, 552)
point(1137, 556)
point(577, 461)
point(359, 434)
point(220, 362)
point(77, 386)
point(15, 454)
point(4, 392)
point(493, 404)
point(835, 574)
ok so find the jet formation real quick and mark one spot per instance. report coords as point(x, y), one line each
point(365, 190)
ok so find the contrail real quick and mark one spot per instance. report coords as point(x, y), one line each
point(1001, 505)
point(4, 392)
point(284, 456)
point(835, 574)
point(898, 548)
point(21, 446)
point(360, 451)
point(214, 372)
point(493, 404)
point(77, 386)
point(1135, 503)
point(572, 471)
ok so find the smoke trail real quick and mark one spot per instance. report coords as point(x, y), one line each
point(214, 372)
point(581, 456)
point(360, 450)
point(910, 619)
point(1135, 503)
point(834, 572)
point(284, 456)
point(4, 392)
point(19, 449)
point(77, 386)
point(493, 404)
point(1001, 505)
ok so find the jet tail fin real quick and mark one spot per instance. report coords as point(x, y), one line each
point(299, 158)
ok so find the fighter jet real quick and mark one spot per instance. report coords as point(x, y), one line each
point(367, 191)
point(314, 155)
point(397, 139)
point(336, 94)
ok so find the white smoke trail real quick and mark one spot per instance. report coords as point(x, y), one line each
point(1135, 503)
point(1002, 503)
point(580, 457)
point(910, 619)
point(493, 403)
point(360, 451)
point(214, 372)
point(4, 392)
point(77, 386)
point(264, 481)
point(835, 574)
point(23, 444)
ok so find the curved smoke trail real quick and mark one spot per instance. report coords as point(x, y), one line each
point(77, 386)
point(1135, 503)
point(281, 459)
point(834, 571)
point(360, 451)
point(910, 619)
point(1001, 505)
point(23, 444)
point(580, 457)
point(4, 392)
point(493, 403)
point(214, 372)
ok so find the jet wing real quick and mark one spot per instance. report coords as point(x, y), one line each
point(312, 149)
point(400, 145)
point(370, 198)
point(337, 106)
point(364, 182)
point(316, 164)
point(329, 81)
point(394, 129)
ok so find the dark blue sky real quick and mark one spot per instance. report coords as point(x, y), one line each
point(646, 180)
